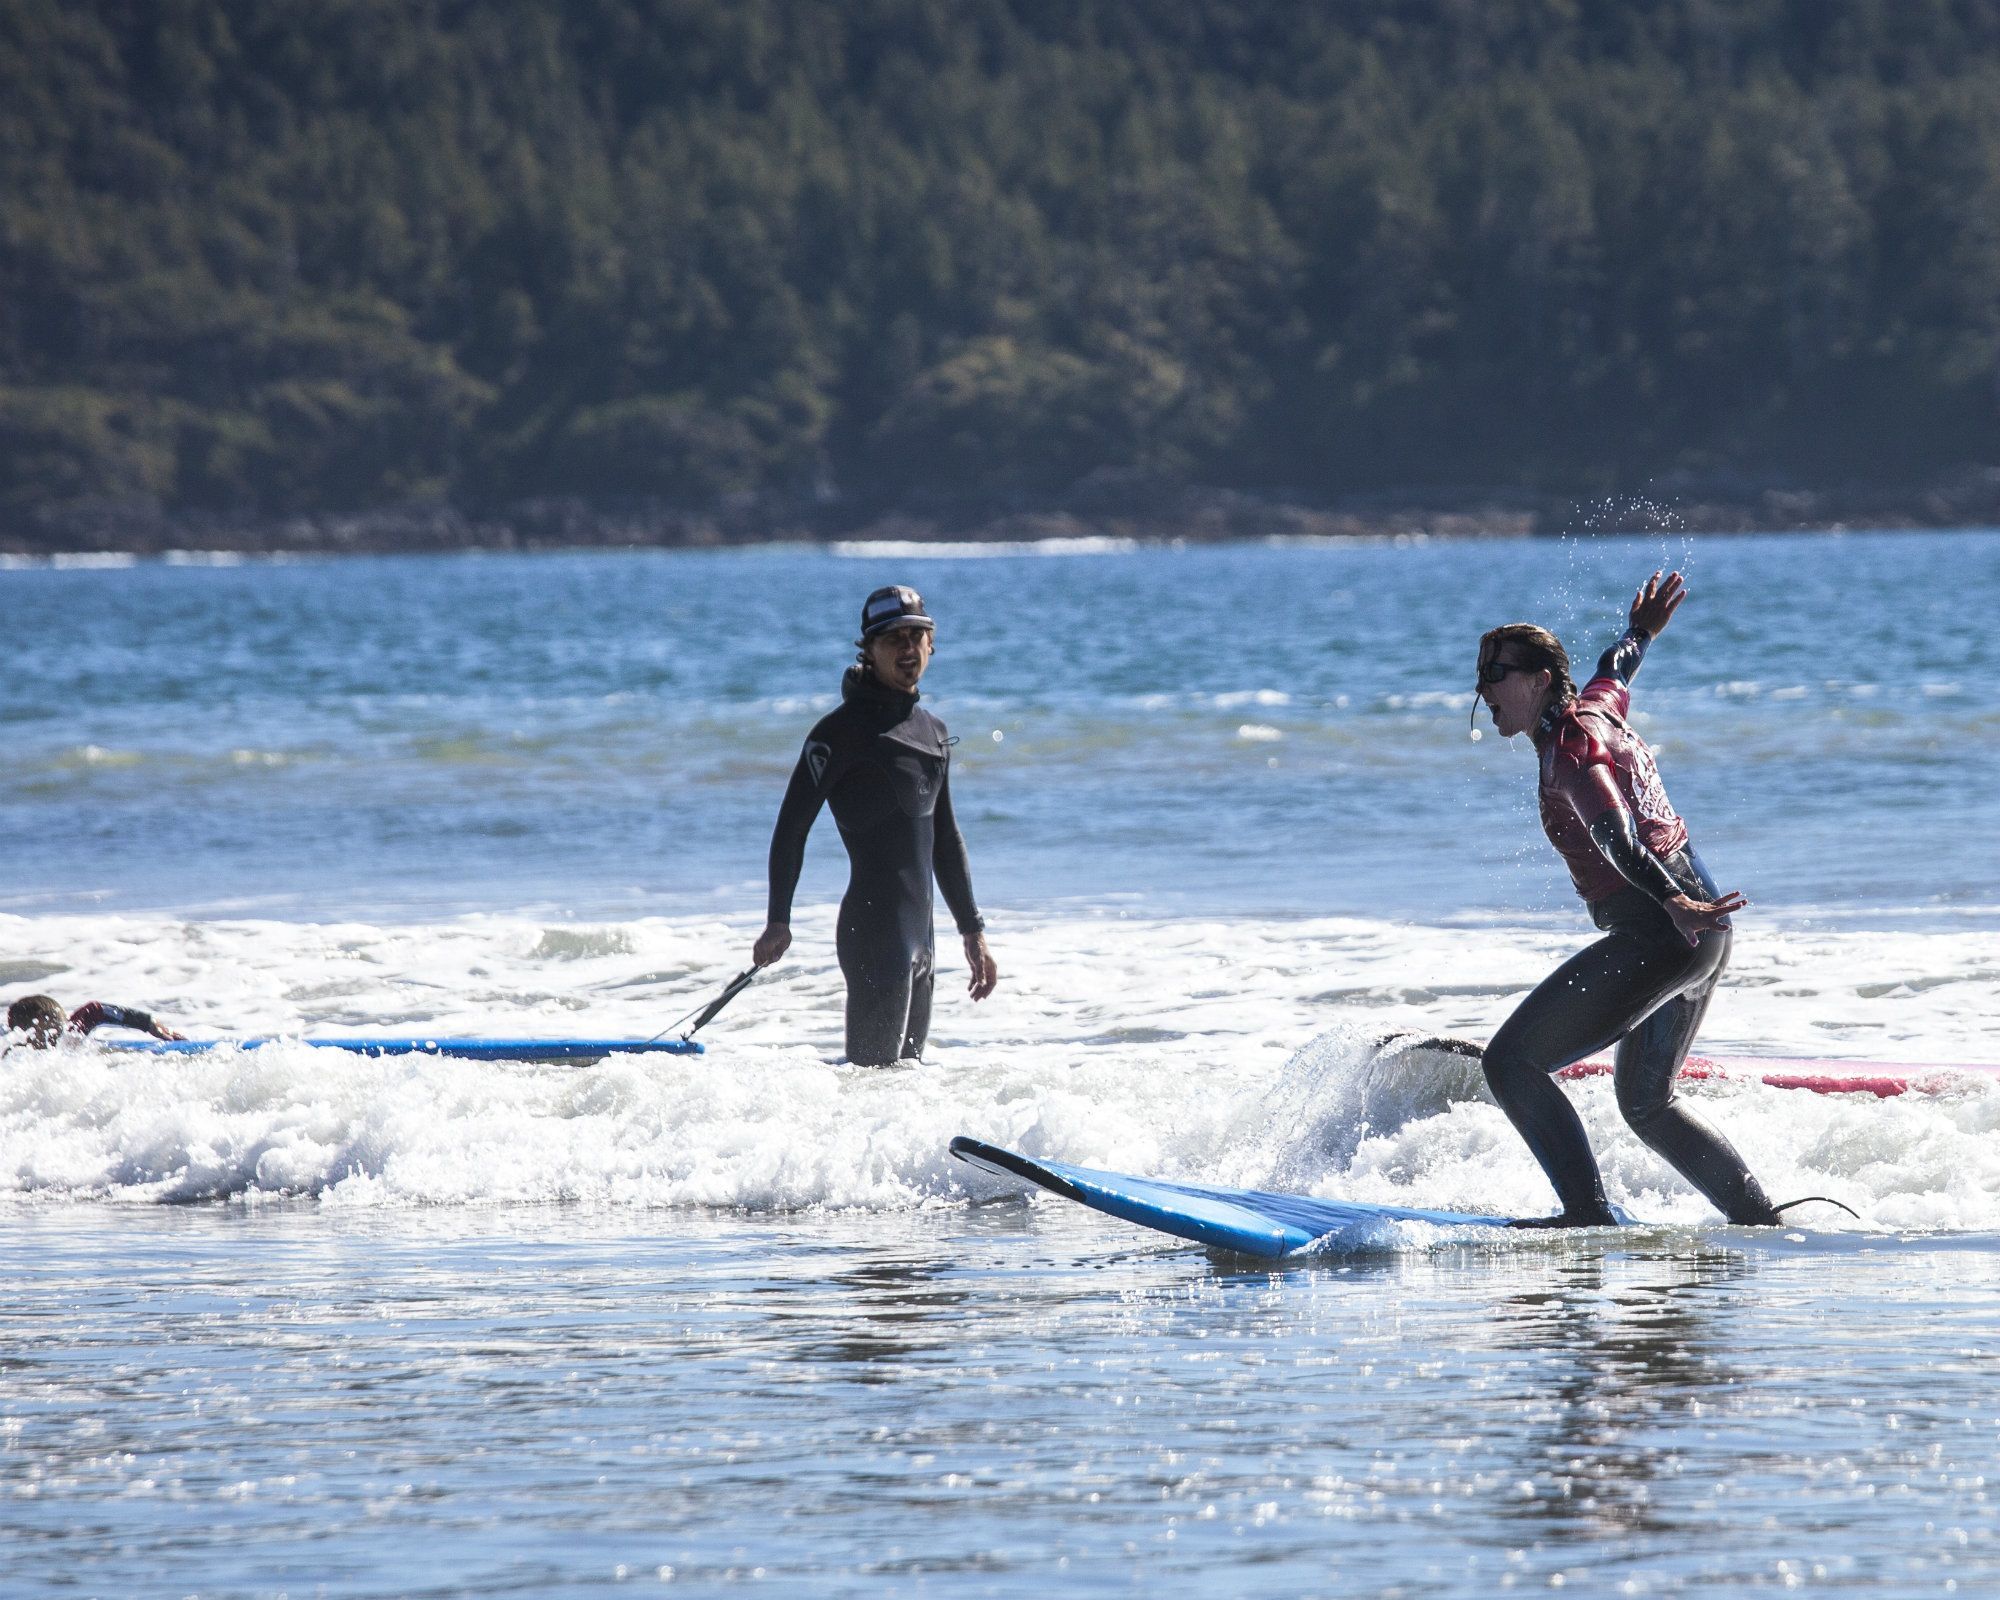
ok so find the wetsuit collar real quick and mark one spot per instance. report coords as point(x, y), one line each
point(1545, 725)
point(864, 686)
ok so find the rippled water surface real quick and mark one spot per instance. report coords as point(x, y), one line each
point(982, 1403)
point(299, 1322)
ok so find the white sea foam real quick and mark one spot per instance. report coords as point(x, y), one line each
point(1229, 1051)
point(1225, 700)
point(981, 550)
point(88, 560)
point(1234, 698)
point(112, 560)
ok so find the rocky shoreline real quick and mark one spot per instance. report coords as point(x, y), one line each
point(1109, 506)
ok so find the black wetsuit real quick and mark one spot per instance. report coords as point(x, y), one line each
point(884, 765)
point(1642, 986)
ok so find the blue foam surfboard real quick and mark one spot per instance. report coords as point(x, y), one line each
point(1245, 1221)
point(537, 1050)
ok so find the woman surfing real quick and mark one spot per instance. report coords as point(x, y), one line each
point(1646, 984)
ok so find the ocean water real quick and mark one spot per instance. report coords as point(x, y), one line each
point(1232, 729)
point(302, 1323)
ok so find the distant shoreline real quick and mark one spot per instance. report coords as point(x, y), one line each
point(1137, 512)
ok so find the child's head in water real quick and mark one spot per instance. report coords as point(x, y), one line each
point(39, 1017)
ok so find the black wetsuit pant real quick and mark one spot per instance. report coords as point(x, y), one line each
point(889, 976)
point(1645, 988)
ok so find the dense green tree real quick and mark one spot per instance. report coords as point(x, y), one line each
point(257, 258)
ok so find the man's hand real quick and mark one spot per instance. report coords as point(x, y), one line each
point(985, 971)
point(1653, 606)
point(159, 1030)
point(773, 942)
point(1696, 917)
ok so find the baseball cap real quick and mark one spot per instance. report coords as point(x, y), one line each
point(893, 607)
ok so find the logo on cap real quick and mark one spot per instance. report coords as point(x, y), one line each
point(885, 608)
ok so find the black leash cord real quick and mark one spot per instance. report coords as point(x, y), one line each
point(704, 1015)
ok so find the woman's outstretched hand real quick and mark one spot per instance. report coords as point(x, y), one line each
point(1696, 917)
point(1654, 605)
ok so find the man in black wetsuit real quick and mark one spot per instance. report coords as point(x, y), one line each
point(1645, 985)
point(44, 1021)
point(884, 764)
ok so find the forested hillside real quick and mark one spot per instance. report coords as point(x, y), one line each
point(854, 255)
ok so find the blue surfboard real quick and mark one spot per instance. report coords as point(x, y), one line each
point(581, 1051)
point(1247, 1222)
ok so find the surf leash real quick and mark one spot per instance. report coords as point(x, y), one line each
point(704, 1015)
point(1823, 1199)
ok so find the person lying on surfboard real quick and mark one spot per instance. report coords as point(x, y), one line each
point(43, 1021)
point(884, 764)
point(1645, 985)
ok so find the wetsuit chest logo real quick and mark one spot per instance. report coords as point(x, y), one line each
point(1649, 795)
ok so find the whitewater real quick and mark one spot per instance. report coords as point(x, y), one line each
point(1239, 1052)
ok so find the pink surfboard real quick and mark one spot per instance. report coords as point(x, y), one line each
point(1881, 1079)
